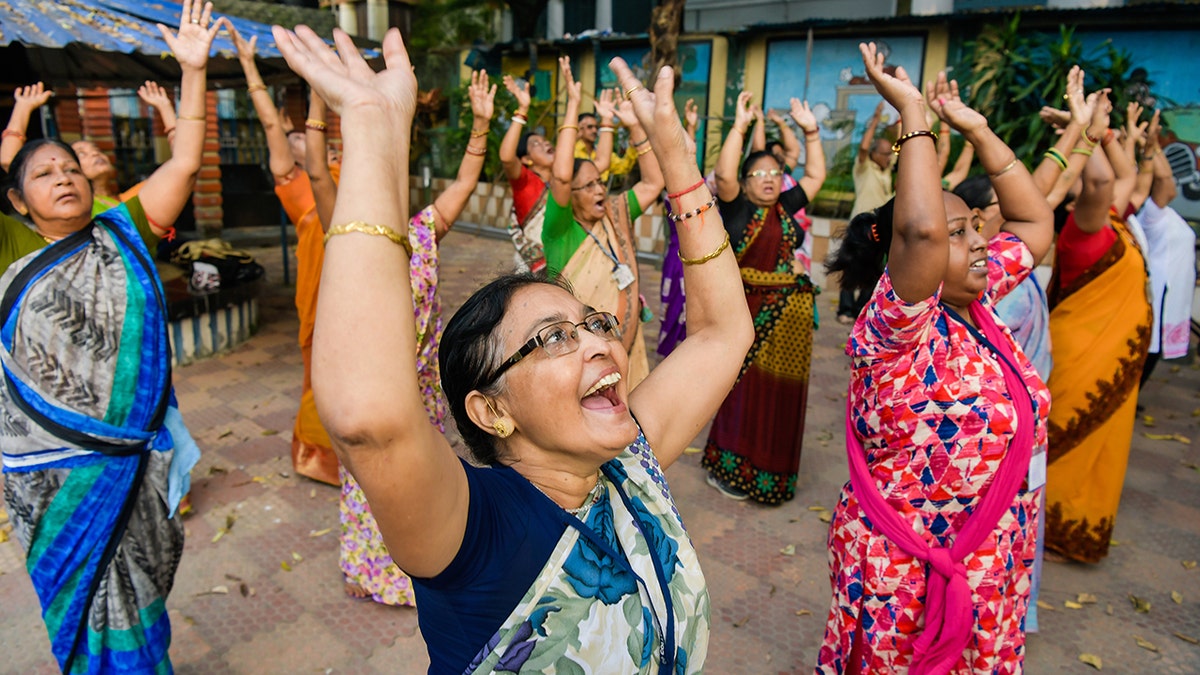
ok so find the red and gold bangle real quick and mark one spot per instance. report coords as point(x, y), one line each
point(911, 135)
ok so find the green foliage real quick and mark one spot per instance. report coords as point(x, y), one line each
point(441, 28)
point(454, 138)
point(1009, 75)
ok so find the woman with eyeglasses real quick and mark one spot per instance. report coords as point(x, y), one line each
point(559, 543)
point(753, 449)
point(932, 543)
point(588, 234)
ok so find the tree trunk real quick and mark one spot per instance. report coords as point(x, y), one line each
point(666, 23)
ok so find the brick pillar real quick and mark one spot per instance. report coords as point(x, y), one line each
point(96, 116)
point(67, 114)
point(207, 198)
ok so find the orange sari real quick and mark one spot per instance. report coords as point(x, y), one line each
point(1099, 336)
point(312, 452)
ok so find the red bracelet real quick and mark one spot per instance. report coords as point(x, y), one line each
point(677, 195)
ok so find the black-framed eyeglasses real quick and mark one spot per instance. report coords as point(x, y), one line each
point(562, 337)
point(590, 185)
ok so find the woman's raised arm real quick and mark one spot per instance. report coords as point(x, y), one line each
point(25, 100)
point(316, 160)
point(279, 153)
point(169, 188)
point(814, 159)
point(704, 366)
point(726, 171)
point(364, 347)
point(512, 137)
point(919, 252)
point(449, 204)
point(563, 170)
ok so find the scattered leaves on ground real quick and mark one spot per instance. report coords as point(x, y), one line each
point(1187, 638)
point(1177, 597)
point(285, 566)
point(1145, 644)
point(215, 590)
point(227, 432)
point(741, 622)
point(3, 535)
point(269, 432)
point(790, 549)
point(1109, 610)
point(1072, 605)
point(1168, 437)
point(312, 493)
point(245, 590)
point(320, 533)
point(825, 517)
point(214, 470)
point(1042, 604)
point(1092, 660)
point(1139, 605)
point(1188, 564)
point(817, 508)
point(1113, 542)
point(803, 612)
point(1148, 420)
point(232, 577)
point(1086, 599)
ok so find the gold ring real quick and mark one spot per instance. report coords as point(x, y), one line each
point(1066, 97)
point(629, 91)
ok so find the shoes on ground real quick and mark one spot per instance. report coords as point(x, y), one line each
point(726, 489)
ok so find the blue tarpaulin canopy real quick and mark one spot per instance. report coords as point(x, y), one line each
point(116, 42)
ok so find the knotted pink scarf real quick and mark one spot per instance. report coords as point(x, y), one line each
point(948, 606)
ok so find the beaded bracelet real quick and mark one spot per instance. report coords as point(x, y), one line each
point(476, 152)
point(716, 252)
point(909, 136)
point(373, 230)
point(680, 217)
point(1057, 157)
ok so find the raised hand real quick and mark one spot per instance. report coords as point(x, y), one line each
point(743, 116)
point(193, 42)
point(519, 92)
point(343, 79)
point(945, 102)
point(606, 105)
point(1101, 109)
point(1134, 130)
point(31, 97)
point(691, 115)
point(1055, 117)
point(1079, 105)
point(624, 113)
point(898, 89)
point(245, 48)
point(155, 96)
point(482, 95)
point(574, 89)
point(655, 110)
point(803, 115)
point(758, 114)
point(1153, 131)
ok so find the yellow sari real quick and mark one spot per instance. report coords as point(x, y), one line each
point(1099, 336)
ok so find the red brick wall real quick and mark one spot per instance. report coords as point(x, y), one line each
point(207, 197)
point(96, 117)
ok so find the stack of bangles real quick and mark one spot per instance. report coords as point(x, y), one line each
point(1057, 157)
point(315, 125)
point(520, 118)
point(680, 217)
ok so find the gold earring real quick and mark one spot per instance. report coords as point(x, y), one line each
point(502, 428)
point(500, 425)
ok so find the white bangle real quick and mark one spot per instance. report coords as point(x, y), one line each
point(604, 129)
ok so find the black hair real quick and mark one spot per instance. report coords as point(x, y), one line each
point(469, 353)
point(1061, 212)
point(865, 245)
point(19, 165)
point(771, 145)
point(586, 114)
point(579, 162)
point(523, 144)
point(753, 158)
point(976, 191)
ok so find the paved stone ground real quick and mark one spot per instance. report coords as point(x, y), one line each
point(768, 607)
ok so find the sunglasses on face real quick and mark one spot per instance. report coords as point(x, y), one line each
point(562, 337)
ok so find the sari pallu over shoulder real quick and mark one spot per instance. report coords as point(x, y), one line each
point(599, 601)
point(87, 403)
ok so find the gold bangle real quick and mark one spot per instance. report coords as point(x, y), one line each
point(479, 134)
point(911, 135)
point(700, 261)
point(1088, 139)
point(315, 125)
point(250, 89)
point(642, 151)
point(1087, 152)
point(374, 230)
point(1006, 169)
point(568, 126)
point(191, 118)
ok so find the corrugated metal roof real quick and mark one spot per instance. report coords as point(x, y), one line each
point(117, 41)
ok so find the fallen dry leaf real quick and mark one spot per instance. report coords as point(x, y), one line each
point(790, 549)
point(1113, 542)
point(1187, 638)
point(285, 566)
point(220, 533)
point(227, 432)
point(320, 533)
point(803, 612)
point(296, 556)
point(312, 493)
point(742, 622)
point(1092, 660)
point(284, 474)
point(220, 590)
point(1042, 604)
point(1196, 412)
point(3, 516)
point(232, 577)
point(259, 479)
point(1072, 605)
point(269, 432)
point(690, 450)
point(1148, 420)
point(825, 517)
point(1109, 609)
point(817, 508)
point(1177, 597)
point(1086, 599)
point(3, 535)
point(1168, 437)
point(1145, 644)
point(1188, 564)
point(214, 470)
point(245, 589)
point(1139, 605)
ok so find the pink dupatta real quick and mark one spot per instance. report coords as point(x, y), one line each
point(948, 607)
